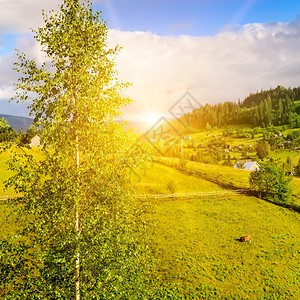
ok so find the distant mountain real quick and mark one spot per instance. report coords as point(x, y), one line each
point(18, 123)
point(24, 123)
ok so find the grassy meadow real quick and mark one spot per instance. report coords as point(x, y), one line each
point(236, 177)
point(194, 240)
point(157, 179)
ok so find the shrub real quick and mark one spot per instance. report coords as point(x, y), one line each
point(171, 186)
point(271, 183)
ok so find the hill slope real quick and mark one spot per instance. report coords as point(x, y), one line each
point(18, 123)
point(195, 242)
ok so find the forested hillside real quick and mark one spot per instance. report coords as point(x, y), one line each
point(279, 106)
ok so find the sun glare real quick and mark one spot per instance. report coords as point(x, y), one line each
point(152, 118)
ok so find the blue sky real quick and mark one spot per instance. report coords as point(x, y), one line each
point(218, 50)
point(194, 17)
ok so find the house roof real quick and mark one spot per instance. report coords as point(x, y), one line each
point(248, 165)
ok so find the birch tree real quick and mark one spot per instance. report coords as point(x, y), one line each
point(80, 238)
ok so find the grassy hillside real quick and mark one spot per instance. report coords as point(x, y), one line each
point(238, 178)
point(194, 241)
point(212, 142)
point(157, 179)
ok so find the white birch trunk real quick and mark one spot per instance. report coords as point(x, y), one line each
point(77, 261)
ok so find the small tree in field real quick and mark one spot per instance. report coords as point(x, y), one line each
point(81, 231)
point(271, 183)
point(263, 149)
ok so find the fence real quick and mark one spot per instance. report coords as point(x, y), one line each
point(7, 197)
point(189, 171)
point(191, 195)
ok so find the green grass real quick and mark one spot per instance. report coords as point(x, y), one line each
point(283, 155)
point(238, 178)
point(9, 222)
point(194, 241)
point(156, 179)
point(4, 173)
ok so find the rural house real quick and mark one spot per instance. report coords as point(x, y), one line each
point(247, 165)
point(35, 141)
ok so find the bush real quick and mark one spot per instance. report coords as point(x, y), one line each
point(182, 163)
point(271, 183)
point(171, 186)
point(263, 149)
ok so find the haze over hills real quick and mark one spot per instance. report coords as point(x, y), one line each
point(23, 123)
point(18, 123)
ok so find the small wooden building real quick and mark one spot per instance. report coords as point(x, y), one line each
point(247, 165)
point(35, 141)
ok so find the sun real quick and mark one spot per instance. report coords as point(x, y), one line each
point(151, 118)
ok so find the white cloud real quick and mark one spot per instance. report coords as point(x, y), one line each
point(227, 66)
point(19, 16)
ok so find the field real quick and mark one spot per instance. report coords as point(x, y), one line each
point(157, 179)
point(195, 243)
point(195, 240)
point(205, 137)
point(230, 176)
point(236, 177)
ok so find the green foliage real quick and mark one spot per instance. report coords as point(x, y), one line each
point(7, 134)
point(182, 163)
point(83, 230)
point(228, 161)
point(263, 149)
point(171, 186)
point(271, 183)
point(297, 169)
point(272, 107)
point(240, 165)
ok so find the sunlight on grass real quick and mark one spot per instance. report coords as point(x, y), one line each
point(157, 179)
point(211, 256)
point(236, 177)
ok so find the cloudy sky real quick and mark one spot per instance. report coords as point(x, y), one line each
point(218, 50)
